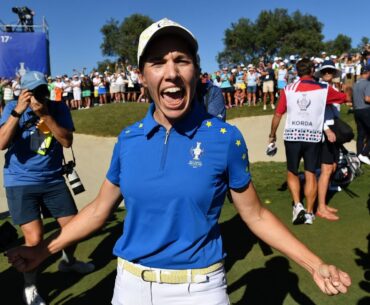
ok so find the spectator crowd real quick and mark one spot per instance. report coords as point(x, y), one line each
point(244, 84)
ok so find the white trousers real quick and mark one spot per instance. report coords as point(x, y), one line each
point(132, 290)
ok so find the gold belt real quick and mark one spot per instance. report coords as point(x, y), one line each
point(169, 276)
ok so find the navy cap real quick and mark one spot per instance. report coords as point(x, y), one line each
point(328, 64)
point(32, 79)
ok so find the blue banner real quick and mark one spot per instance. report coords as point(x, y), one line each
point(20, 52)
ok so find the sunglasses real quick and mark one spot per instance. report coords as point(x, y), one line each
point(327, 71)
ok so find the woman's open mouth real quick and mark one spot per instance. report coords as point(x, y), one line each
point(173, 96)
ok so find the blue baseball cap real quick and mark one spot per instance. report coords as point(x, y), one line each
point(32, 79)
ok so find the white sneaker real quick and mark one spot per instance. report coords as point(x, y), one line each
point(264, 107)
point(310, 217)
point(31, 296)
point(272, 106)
point(364, 159)
point(77, 266)
point(298, 214)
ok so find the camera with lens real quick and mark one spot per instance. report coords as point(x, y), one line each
point(73, 178)
point(22, 12)
point(41, 93)
point(17, 10)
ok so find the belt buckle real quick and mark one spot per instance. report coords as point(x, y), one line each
point(142, 274)
point(157, 274)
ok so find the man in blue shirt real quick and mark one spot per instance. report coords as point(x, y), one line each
point(212, 97)
point(34, 131)
point(173, 169)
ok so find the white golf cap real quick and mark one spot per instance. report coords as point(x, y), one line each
point(164, 26)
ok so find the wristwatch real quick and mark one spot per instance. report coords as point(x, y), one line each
point(15, 114)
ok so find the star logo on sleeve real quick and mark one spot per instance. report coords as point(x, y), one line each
point(238, 143)
point(209, 124)
point(223, 130)
point(141, 125)
point(244, 156)
point(127, 131)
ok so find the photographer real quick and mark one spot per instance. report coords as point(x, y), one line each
point(25, 16)
point(34, 131)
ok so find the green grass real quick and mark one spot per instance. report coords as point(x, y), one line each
point(109, 120)
point(253, 275)
point(254, 270)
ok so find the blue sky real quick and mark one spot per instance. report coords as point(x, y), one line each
point(74, 25)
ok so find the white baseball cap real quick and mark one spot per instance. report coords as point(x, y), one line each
point(164, 26)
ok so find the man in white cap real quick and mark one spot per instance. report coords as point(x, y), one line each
point(171, 250)
point(324, 56)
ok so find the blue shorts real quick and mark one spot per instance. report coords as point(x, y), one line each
point(281, 84)
point(102, 90)
point(252, 89)
point(26, 203)
point(227, 90)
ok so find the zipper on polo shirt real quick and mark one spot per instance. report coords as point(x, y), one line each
point(165, 148)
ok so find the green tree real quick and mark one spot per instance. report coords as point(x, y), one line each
point(106, 65)
point(365, 41)
point(272, 33)
point(341, 44)
point(240, 40)
point(271, 28)
point(304, 36)
point(121, 40)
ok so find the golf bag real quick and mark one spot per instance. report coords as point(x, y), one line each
point(348, 168)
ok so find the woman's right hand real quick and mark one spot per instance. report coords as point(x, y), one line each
point(25, 258)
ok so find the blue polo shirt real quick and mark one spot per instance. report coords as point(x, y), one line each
point(174, 184)
point(22, 165)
